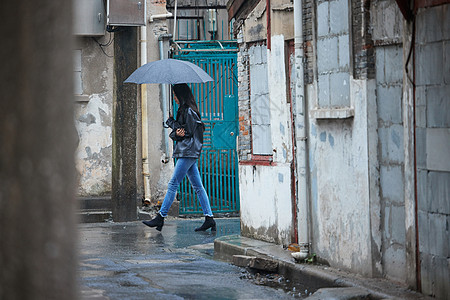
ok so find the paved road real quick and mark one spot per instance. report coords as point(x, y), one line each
point(132, 261)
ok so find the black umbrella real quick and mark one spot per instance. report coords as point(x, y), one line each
point(171, 71)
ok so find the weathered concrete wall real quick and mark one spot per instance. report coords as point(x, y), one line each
point(432, 146)
point(265, 189)
point(339, 175)
point(344, 176)
point(390, 134)
point(265, 193)
point(93, 117)
point(386, 22)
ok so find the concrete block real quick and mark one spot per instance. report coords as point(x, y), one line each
point(429, 25)
point(322, 19)
point(389, 100)
point(380, 65)
point(258, 79)
point(437, 149)
point(344, 52)
point(427, 272)
point(398, 224)
point(324, 90)
point(424, 231)
point(430, 64)
point(383, 142)
point(255, 55)
point(242, 260)
point(438, 196)
point(339, 17)
point(421, 96)
point(446, 23)
point(340, 89)
point(441, 272)
point(394, 260)
point(391, 180)
point(422, 191)
point(260, 109)
point(395, 144)
point(386, 20)
point(265, 264)
point(438, 106)
point(421, 148)
point(438, 235)
point(393, 59)
point(342, 293)
point(421, 116)
point(387, 218)
point(327, 55)
point(447, 61)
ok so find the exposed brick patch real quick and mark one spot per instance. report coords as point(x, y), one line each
point(363, 50)
point(244, 147)
point(308, 13)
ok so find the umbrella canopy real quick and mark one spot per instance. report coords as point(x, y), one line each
point(171, 71)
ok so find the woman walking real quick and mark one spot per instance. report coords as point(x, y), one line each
point(187, 131)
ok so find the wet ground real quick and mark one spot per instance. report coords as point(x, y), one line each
point(132, 261)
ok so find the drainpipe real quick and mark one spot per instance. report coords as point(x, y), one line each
point(175, 21)
point(160, 16)
point(144, 121)
point(269, 32)
point(164, 99)
point(301, 122)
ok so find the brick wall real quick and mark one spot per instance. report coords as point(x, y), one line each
point(244, 147)
point(308, 17)
point(363, 52)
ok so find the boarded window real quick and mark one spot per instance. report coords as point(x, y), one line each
point(259, 101)
point(333, 54)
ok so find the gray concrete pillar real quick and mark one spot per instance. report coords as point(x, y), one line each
point(124, 188)
point(37, 145)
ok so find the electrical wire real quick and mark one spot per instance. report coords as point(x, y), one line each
point(111, 40)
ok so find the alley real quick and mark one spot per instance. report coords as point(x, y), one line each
point(132, 261)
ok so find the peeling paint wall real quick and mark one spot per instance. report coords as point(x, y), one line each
point(265, 190)
point(93, 118)
point(344, 176)
point(339, 175)
point(265, 194)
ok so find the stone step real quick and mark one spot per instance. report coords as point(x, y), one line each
point(94, 216)
point(95, 203)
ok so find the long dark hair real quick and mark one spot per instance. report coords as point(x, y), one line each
point(186, 98)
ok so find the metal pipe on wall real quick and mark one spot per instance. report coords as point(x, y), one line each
point(144, 120)
point(175, 20)
point(164, 99)
point(301, 120)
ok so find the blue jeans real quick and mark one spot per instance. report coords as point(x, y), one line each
point(186, 166)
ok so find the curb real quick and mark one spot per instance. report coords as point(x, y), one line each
point(318, 276)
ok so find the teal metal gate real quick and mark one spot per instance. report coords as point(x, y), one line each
point(217, 102)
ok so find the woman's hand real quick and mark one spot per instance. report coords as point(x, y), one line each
point(180, 132)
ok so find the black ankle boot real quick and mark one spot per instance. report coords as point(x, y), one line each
point(157, 222)
point(209, 223)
